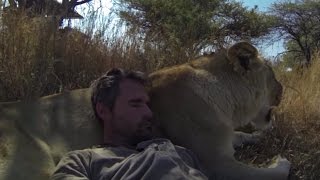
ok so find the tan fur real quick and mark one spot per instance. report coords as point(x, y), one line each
point(196, 105)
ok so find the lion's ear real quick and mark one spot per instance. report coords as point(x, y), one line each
point(244, 57)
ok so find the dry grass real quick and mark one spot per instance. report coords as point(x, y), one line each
point(296, 132)
point(37, 58)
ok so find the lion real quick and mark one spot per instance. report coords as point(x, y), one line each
point(200, 104)
point(197, 105)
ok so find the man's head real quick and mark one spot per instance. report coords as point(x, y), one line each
point(119, 100)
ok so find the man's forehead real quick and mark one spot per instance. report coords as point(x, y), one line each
point(133, 89)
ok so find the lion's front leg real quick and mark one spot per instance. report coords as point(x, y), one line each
point(242, 138)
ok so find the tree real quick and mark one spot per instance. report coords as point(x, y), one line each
point(64, 10)
point(189, 26)
point(298, 23)
point(293, 56)
point(32, 44)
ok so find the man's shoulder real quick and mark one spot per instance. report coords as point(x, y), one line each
point(86, 153)
point(88, 150)
point(120, 151)
point(99, 149)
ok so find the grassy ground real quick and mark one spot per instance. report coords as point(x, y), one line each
point(36, 60)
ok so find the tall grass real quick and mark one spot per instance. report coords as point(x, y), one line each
point(299, 116)
point(38, 58)
point(301, 101)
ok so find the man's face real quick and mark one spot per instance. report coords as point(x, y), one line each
point(131, 116)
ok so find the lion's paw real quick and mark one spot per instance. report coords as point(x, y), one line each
point(281, 165)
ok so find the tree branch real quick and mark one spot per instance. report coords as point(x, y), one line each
point(76, 3)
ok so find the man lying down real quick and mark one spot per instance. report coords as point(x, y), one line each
point(120, 102)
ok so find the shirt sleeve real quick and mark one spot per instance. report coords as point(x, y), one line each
point(73, 166)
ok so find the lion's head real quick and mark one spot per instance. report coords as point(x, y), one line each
point(267, 90)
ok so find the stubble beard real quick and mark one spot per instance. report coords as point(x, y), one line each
point(143, 132)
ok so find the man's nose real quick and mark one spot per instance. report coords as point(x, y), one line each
point(148, 112)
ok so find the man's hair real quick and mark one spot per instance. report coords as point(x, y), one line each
point(106, 88)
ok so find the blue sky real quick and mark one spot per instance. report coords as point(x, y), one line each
point(263, 5)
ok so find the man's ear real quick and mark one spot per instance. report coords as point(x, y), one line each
point(103, 111)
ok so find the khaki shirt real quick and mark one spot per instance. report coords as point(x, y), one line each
point(154, 159)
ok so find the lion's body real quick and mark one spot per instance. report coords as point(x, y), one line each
point(199, 104)
point(36, 134)
point(196, 105)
